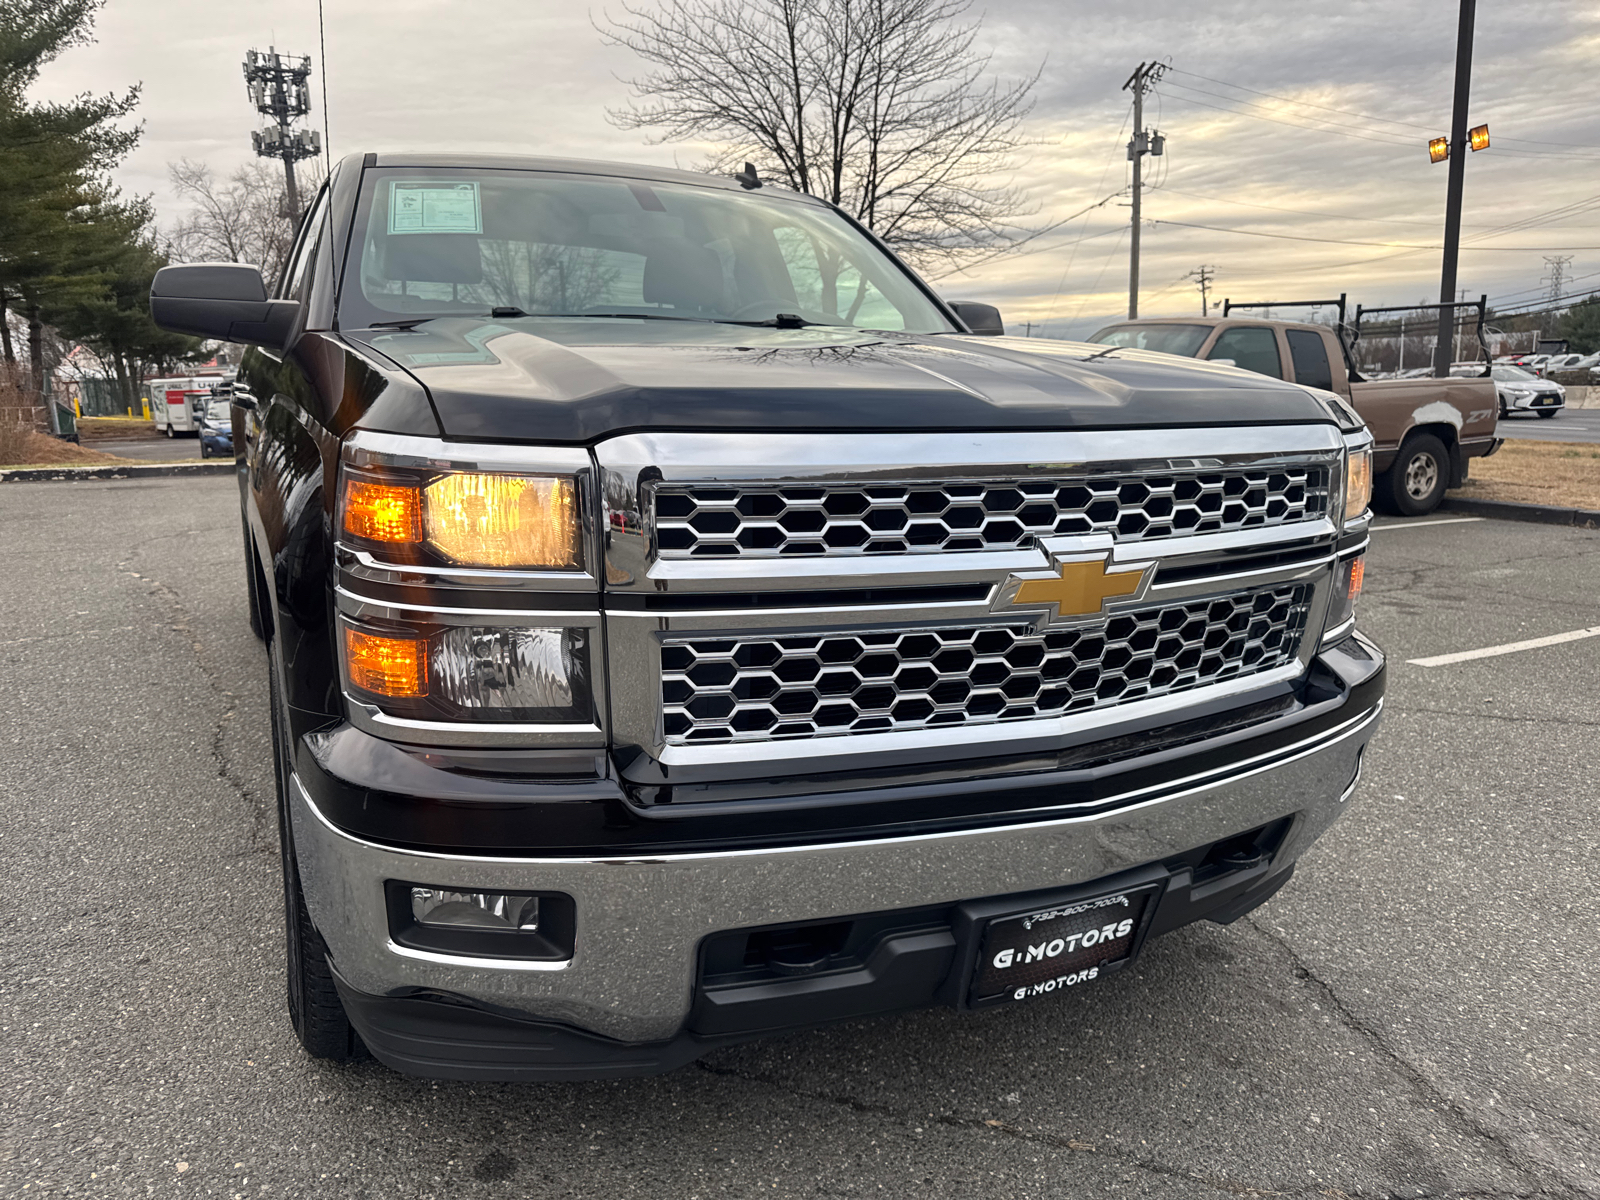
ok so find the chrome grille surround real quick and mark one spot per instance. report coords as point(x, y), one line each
point(651, 599)
point(762, 687)
point(924, 517)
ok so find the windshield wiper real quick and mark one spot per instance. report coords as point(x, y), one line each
point(785, 321)
point(402, 323)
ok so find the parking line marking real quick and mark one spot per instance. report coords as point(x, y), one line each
point(1555, 639)
point(1425, 524)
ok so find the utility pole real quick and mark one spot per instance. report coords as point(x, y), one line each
point(1144, 77)
point(1458, 175)
point(278, 89)
point(1204, 277)
point(1027, 329)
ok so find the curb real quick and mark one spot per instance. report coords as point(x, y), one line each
point(152, 471)
point(1511, 510)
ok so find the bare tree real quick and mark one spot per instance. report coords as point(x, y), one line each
point(879, 106)
point(244, 219)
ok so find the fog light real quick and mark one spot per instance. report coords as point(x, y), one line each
point(475, 910)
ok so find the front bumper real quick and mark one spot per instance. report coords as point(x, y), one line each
point(632, 980)
point(1537, 402)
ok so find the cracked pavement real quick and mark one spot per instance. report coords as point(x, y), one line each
point(1414, 1016)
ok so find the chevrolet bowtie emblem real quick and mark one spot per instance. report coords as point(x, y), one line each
point(1078, 589)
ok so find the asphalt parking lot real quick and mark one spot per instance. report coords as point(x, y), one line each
point(1417, 1015)
point(1569, 425)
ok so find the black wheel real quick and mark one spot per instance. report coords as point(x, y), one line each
point(1416, 481)
point(315, 1009)
point(205, 451)
point(170, 434)
point(1546, 413)
point(252, 585)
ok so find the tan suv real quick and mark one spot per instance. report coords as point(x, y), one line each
point(1424, 430)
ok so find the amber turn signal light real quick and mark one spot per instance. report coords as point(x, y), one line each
point(1358, 575)
point(382, 512)
point(386, 666)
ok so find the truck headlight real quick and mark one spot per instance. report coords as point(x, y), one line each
point(474, 519)
point(472, 673)
point(1358, 483)
point(1348, 577)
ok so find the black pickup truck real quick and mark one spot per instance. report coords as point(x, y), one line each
point(683, 625)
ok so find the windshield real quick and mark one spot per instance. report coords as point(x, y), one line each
point(1508, 374)
point(218, 410)
point(438, 242)
point(1168, 339)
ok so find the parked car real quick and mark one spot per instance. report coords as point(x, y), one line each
point(1521, 391)
point(216, 429)
point(1425, 430)
point(685, 626)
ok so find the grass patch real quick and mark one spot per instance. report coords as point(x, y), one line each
point(1557, 473)
point(29, 448)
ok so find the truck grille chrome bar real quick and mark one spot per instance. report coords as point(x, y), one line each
point(761, 687)
point(699, 520)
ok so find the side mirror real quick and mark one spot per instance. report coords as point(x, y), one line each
point(246, 402)
point(221, 300)
point(981, 319)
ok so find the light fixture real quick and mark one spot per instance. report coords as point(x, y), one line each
point(1480, 137)
point(1438, 149)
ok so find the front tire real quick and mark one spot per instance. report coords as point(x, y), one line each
point(1418, 477)
point(315, 1010)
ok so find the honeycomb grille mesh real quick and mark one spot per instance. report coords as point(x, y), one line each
point(776, 520)
point(758, 688)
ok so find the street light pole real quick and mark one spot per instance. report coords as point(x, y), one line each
point(1458, 171)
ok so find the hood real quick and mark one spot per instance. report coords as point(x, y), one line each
point(576, 381)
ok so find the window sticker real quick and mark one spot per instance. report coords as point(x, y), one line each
point(434, 207)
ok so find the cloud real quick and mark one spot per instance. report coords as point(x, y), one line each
point(1249, 150)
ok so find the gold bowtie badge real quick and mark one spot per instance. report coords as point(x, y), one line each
point(1081, 588)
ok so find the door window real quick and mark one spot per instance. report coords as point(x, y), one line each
point(305, 248)
point(1251, 347)
point(1310, 357)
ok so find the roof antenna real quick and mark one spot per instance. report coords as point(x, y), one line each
point(748, 179)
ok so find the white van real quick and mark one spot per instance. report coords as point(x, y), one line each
point(176, 404)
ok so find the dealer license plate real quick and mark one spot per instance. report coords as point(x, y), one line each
point(1039, 953)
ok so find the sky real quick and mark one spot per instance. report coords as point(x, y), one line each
point(1296, 161)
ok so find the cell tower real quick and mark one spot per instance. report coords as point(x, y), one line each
point(278, 88)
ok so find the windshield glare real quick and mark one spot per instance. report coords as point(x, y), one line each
point(1167, 339)
point(441, 242)
point(1506, 374)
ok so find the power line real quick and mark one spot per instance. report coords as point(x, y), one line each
point(1291, 237)
point(1073, 253)
point(1344, 112)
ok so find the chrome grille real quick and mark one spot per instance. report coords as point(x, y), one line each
point(778, 520)
point(761, 687)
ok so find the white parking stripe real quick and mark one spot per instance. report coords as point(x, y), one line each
point(1425, 524)
point(1555, 639)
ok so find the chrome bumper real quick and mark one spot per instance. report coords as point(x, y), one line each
point(640, 920)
